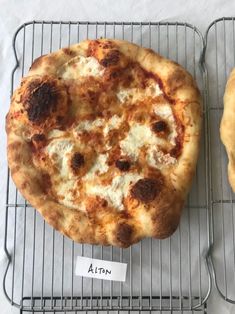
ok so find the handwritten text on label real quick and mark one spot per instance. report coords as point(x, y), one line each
point(96, 268)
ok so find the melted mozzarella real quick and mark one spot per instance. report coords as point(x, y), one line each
point(123, 95)
point(67, 192)
point(82, 66)
point(139, 135)
point(59, 152)
point(137, 94)
point(98, 167)
point(112, 123)
point(153, 90)
point(55, 133)
point(116, 191)
point(164, 111)
point(88, 125)
point(158, 159)
point(59, 147)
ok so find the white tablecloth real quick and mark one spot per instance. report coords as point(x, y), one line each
point(13, 13)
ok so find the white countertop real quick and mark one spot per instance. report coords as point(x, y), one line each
point(14, 13)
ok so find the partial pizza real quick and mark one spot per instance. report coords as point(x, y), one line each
point(227, 127)
point(103, 139)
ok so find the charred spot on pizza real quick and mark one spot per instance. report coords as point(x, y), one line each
point(38, 137)
point(38, 140)
point(111, 58)
point(41, 100)
point(123, 165)
point(92, 96)
point(146, 190)
point(104, 203)
point(44, 99)
point(60, 119)
point(77, 161)
point(114, 74)
point(124, 233)
point(160, 127)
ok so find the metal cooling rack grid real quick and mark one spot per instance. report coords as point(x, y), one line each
point(203, 310)
point(163, 275)
point(220, 59)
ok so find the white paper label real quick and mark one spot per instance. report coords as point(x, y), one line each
point(96, 268)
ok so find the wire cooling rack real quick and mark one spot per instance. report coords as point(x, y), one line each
point(196, 311)
point(168, 275)
point(220, 59)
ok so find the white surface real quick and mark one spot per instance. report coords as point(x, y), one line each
point(101, 269)
point(14, 13)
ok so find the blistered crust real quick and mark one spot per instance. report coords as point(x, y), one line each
point(227, 127)
point(154, 203)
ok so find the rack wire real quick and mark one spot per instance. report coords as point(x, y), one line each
point(220, 59)
point(168, 275)
point(197, 311)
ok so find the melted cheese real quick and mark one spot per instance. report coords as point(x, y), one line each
point(116, 191)
point(98, 167)
point(67, 192)
point(137, 94)
point(62, 147)
point(82, 66)
point(123, 95)
point(59, 152)
point(139, 135)
point(55, 133)
point(158, 159)
point(112, 123)
point(88, 125)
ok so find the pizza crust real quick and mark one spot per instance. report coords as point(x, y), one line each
point(154, 204)
point(227, 127)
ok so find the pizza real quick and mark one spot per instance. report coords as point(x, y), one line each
point(227, 127)
point(103, 139)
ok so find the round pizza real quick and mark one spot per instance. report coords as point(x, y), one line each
point(227, 127)
point(103, 139)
